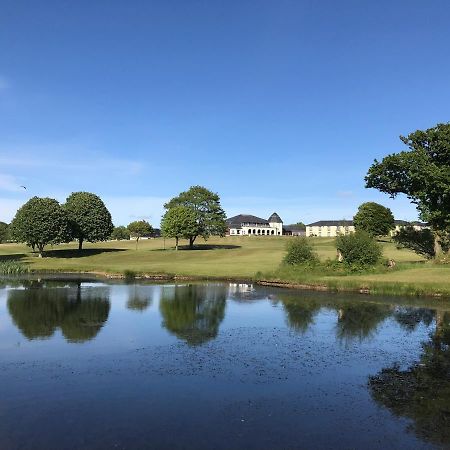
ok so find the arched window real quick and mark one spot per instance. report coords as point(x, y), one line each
point(273, 231)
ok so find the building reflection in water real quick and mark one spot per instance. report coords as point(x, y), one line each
point(39, 308)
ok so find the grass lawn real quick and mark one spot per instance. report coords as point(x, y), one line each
point(229, 257)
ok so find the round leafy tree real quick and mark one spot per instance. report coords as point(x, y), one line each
point(375, 219)
point(140, 228)
point(89, 218)
point(39, 222)
point(358, 249)
point(120, 233)
point(209, 214)
point(179, 222)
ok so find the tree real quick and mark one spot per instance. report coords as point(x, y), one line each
point(89, 218)
point(209, 214)
point(422, 173)
point(140, 228)
point(375, 219)
point(301, 226)
point(300, 251)
point(358, 249)
point(179, 222)
point(39, 222)
point(120, 233)
point(4, 232)
point(420, 241)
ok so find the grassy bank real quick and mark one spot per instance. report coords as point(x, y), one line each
point(235, 257)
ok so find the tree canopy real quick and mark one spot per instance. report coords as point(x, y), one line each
point(140, 228)
point(422, 173)
point(89, 218)
point(209, 214)
point(4, 232)
point(375, 219)
point(120, 233)
point(179, 222)
point(39, 222)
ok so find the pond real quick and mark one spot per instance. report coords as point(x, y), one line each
point(99, 365)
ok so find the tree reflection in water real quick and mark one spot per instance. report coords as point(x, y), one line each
point(139, 297)
point(41, 308)
point(360, 320)
point(421, 393)
point(194, 312)
point(300, 312)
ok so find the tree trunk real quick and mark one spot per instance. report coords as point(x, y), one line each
point(176, 243)
point(191, 242)
point(80, 244)
point(137, 240)
point(437, 246)
point(41, 250)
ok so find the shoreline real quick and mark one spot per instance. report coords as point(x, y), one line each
point(284, 284)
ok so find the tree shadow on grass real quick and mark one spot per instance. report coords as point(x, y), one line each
point(14, 257)
point(74, 253)
point(200, 247)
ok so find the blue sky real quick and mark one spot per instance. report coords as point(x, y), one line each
point(276, 105)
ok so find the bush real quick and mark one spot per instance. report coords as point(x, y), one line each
point(359, 249)
point(12, 267)
point(300, 251)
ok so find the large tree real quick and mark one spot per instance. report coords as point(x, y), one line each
point(209, 214)
point(375, 219)
point(39, 222)
point(4, 232)
point(89, 218)
point(140, 228)
point(422, 173)
point(179, 222)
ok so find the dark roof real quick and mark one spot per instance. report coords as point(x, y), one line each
point(294, 227)
point(414, 222)
point(237, 221)
point(401, 222)
point(275, 218)
point(331, 223)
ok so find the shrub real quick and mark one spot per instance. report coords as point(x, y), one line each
point(300, 251)
point(12, 267)
point(359, 249)
point(419, 241)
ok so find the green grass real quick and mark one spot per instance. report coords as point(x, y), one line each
point(234, 257)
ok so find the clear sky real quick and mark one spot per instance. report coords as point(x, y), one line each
point(276, 105)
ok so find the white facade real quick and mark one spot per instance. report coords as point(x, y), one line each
point(247, 225)
point(329, 229)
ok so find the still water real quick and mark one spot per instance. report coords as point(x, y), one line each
point(95, 365)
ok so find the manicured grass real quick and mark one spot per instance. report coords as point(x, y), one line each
point(233, 257)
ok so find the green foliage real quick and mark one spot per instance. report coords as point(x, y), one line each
point(359, 249)
point(39, 222)
point(300, 251)
point(375, 219)
point(140, 228)
point(4, 232)
point(301, 226)
point(210, 216)
point(420, 241)
point(120, 233)
point(11, 267)
point(422, 173)
point(89, 218)
point(179, 222)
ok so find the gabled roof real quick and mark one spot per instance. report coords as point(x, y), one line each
point(237, 221)
point(275, 218)
point(331, 223)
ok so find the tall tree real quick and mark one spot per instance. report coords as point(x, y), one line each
point(39, 222)
point(179, 222)
point(89, 218)
point(209, 214)
point(4, 232)
point(375, 219)
point(139, 228)
point(422, 173)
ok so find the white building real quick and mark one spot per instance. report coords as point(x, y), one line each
point(330, 228)
point(246, 225)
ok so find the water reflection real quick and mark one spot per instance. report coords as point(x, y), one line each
point(193, 313)
point(421, 393)
point(38, 310)
point(139, 297)
point(300, 313)
point(409, 318)
point(360, 320)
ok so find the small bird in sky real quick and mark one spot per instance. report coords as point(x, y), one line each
point(23, 187)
